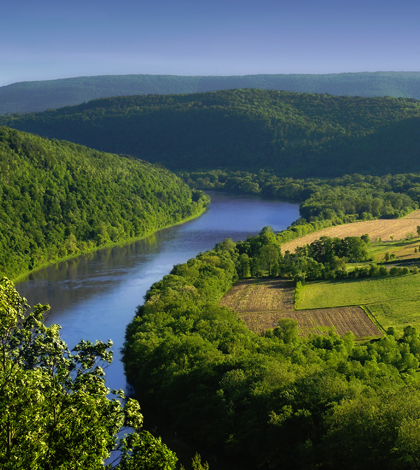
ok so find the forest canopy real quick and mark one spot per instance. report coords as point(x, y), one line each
point(275, 400)
point(296, 134)
point(59, 199)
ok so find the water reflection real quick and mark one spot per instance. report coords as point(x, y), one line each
point(95, 296)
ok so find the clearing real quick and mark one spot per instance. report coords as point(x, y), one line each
point(261, 303)
point(377, 229)
point(392, 301)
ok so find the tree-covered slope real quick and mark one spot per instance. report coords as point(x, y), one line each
point(296, 134)
point(275, 400)
point(58, 199)
point(26, 97)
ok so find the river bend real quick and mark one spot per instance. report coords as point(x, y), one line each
point(94, 296)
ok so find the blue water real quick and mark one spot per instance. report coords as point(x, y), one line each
point(94, 297)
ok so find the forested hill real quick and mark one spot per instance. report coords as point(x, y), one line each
point(26, 97)
point(296, 134)
point(59, 199)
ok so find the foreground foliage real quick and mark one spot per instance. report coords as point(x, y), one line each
point(276, 400)
point(59, 199)
point(297, 134)
point(55, 409)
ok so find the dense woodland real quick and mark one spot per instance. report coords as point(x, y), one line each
point(338, 200)
point(59, 199)
point(295, 134)
point(276, 400)
point(27, 97)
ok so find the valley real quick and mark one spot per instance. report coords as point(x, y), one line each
point(209, 235)
point(261, 320)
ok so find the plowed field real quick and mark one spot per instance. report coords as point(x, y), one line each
point(262, 303)
point(383, 228)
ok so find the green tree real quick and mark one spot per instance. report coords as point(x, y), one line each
point(55, 409)
point(287, 330)
point(268, 259)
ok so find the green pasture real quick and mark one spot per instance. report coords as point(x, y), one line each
point(400, 248)
point(398, 314)
point(393, 301)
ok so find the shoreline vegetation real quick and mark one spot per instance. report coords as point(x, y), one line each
point(58, 199)
point(274, 399)
point(327, 205)
point(23, 277)
point(323, 203)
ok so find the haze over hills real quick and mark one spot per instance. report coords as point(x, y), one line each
point(296, 134)
point(32, 96)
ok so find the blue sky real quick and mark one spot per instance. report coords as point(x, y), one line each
point(44, 39)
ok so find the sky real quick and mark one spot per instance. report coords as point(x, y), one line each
point(50, 39)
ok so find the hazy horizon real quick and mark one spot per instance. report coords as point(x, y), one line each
point(48, 40)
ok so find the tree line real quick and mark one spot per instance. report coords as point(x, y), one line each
point(30, 96)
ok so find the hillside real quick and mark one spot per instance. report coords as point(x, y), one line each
point(296, 134)
point(277, 399)
point(58, 199)
point(26, 97)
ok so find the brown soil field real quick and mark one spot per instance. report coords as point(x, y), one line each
point(383, 228)
point(262, 303)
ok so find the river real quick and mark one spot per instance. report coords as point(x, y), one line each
point(94, 296)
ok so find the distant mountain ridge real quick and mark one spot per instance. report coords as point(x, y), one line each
point(296, 134)
point(33, 96)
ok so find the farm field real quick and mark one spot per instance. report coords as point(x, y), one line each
point(382, 228)
point(262, 303)
point(392, 301)
point(402, 249)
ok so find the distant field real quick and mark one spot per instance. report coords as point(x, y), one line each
point(327, 294)
point(402, 249)
point(383, 228)
point(393, 301)
point(262, 303)
point(398, 314)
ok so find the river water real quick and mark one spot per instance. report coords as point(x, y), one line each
point(94, 296)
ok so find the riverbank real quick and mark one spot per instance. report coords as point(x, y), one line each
point(95, 296)
point(23, 277)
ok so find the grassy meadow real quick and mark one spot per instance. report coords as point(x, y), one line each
point(392, 301)
point(406, 249)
